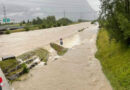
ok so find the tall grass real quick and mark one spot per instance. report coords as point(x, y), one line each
point(115, 60)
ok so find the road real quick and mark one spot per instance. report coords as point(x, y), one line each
point(78, 69)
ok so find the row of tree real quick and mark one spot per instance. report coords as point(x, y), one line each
point(48, 22)
point(115, 16)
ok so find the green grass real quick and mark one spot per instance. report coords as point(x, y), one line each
point(59, 49)
point(8, 64)
point(40, 52)
point(115, 60)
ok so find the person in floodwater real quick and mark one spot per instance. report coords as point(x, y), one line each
point(61, 41)
point(1, 83)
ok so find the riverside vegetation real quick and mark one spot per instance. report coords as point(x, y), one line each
point(39, 23)
point(115, 60)
point(113, 42)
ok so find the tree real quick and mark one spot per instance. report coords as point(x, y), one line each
point(64, 21)
point(39, 20)
point(51, 21)
point(28, 22)
point(23, 22)
point(115, 17)
point(34, 21)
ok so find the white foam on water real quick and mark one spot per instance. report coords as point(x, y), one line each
point(72, 41)
point(41, 64)
point(36, 60)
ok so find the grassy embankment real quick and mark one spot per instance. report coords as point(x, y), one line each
point(115, 60)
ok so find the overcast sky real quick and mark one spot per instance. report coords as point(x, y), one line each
point(95, 4)
point(27, 9)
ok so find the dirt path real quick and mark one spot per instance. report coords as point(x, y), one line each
point(78, 69)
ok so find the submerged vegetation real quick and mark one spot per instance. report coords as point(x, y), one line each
point(41, 53)
point(59, 49)
point(14, 68)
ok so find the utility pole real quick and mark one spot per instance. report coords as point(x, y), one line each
point(64, 14)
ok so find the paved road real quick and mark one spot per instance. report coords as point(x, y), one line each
point(5, 83)
point(78, 69)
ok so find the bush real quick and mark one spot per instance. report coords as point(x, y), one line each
point(7, 32)
point(93, 22)
point(64, 21)
point(25, 68)
point(26, 28)
point(43, 26)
